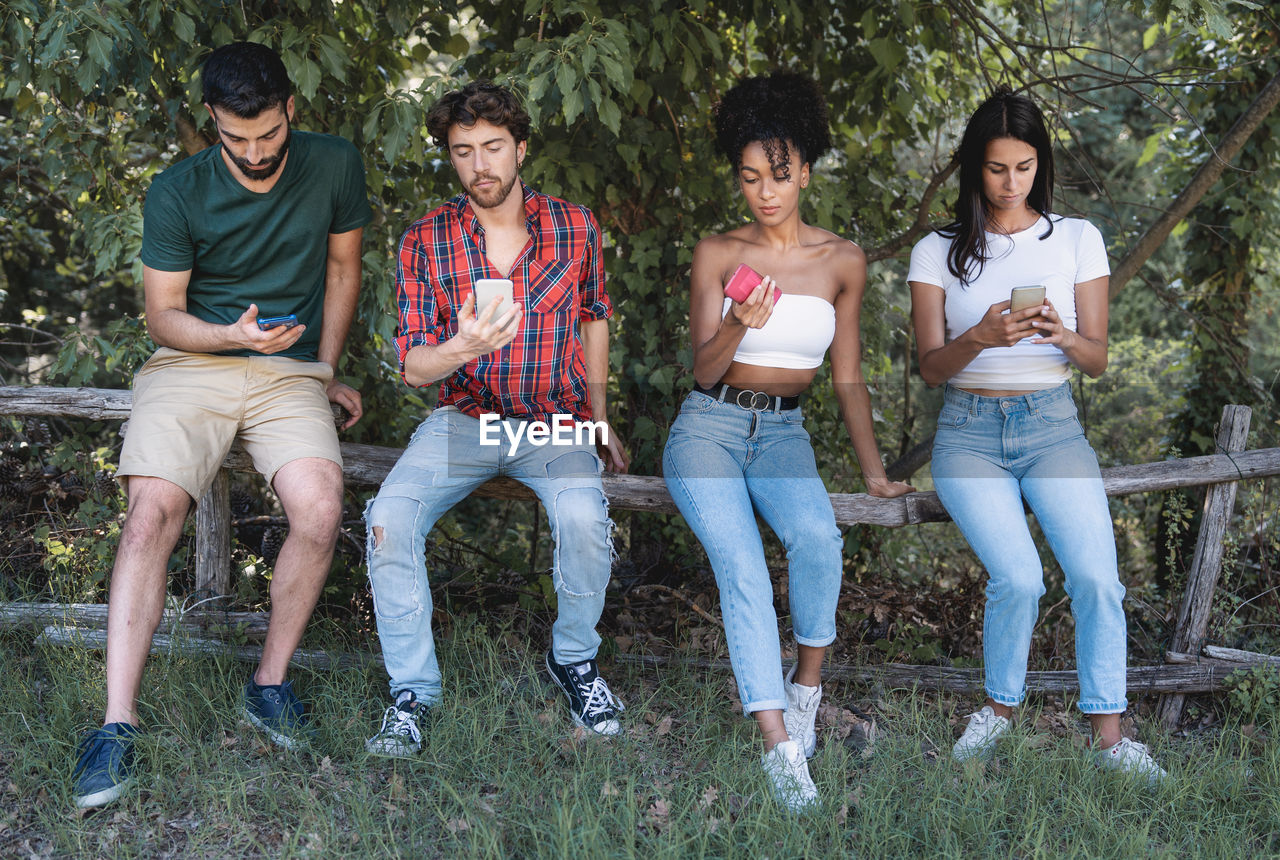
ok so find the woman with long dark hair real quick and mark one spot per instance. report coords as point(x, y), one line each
point(739, 447)
point(1008, 429)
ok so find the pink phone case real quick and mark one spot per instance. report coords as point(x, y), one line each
point(744, 280)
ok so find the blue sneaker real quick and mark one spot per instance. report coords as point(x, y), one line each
point(104, 764)
point(278, 712)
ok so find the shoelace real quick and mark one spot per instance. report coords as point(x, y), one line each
point(1126, 744)
point(404, 724)
point(599, 698)
point(979, 720)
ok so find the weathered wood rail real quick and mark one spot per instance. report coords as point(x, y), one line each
point(367, 465)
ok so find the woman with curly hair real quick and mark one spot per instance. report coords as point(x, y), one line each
point(738, 447)
point(1007, 430)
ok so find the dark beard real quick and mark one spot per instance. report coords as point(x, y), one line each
point(494, 198)
point(257, 174)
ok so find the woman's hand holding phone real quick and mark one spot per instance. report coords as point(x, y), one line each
point(997, 328)
point(758, 307)
point(1050, 328)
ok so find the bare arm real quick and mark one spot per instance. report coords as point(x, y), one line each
point(595, 347)
point(847, 379)
point(1086, 347)
point(716, 339)
point(341, 289)
point(170, 325)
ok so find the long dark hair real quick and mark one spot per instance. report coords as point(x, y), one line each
point(1003, 114)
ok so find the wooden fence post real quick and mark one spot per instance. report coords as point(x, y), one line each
point(1206, 566)
point(213, 537)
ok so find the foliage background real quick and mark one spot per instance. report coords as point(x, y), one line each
point(97, 97)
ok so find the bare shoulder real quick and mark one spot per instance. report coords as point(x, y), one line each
point(715, 251)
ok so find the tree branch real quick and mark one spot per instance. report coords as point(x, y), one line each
point(921, 224)
point(1205, 178)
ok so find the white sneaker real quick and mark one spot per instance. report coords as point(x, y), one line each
point(400, 735)
point(789, 775)
point(980, 736)
point(802, 710)
point(1133, 758)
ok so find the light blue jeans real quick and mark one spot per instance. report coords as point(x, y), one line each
point(991, 453)
point(723, 464)
point(442, 464)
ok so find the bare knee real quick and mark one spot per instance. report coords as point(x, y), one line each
point(318, 523)
point(152, 519)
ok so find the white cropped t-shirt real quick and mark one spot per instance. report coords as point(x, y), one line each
point(796, 336)
point(1073, 253)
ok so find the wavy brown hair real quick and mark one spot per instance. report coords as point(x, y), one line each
point(478, 100)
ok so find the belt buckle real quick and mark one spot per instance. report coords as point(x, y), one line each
point(750, 405)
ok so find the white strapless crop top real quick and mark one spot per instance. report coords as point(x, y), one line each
point(796, 336)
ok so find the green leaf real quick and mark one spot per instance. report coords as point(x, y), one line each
point(334, 56)
point(307, 77)
point(457, 45)
point(1150, 147)
point(1149, 36)
point(888, 53)
point(566, 80)
point(610, 115)
point(183, 27)
point(100, 48)
point(572, 106)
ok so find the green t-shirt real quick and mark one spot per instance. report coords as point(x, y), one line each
point(243, 246)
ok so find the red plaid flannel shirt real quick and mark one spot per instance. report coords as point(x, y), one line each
point(559, 280)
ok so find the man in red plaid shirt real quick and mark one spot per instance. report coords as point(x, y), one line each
point(522, 393)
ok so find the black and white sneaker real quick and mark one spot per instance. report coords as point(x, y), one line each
point(400, 735)
point(592, 703)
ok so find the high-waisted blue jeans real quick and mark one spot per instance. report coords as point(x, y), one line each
point(723, 464)
point(989, 454)
point(442, 464)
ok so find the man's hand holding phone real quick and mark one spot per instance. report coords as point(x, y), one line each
point(249, 334)
point(480, 334)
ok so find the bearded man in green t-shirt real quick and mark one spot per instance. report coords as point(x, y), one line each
point(251, 269)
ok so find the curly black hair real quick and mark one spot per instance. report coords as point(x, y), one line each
point(779, 110)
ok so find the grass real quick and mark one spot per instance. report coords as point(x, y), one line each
point(504, 774)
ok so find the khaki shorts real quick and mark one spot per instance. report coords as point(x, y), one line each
point(189, 407)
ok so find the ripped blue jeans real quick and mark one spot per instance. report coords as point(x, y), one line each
point(442, 464)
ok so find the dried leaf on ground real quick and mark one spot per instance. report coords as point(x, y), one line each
point(709, 797)
point(658, 815)
point(609, 789)
point(395, 787)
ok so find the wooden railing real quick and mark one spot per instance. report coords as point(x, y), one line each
point(367, 465)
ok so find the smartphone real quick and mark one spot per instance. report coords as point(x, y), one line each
point(487, 289)
point(1021, 298)
point(268, 323)
point(744, 280)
